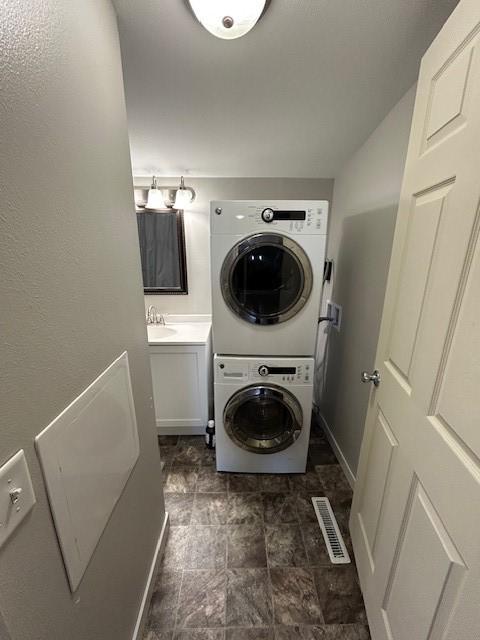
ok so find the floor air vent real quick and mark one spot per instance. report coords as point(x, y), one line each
point(331, 534)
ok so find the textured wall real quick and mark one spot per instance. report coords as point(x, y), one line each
point(71, 302)
point(197, 227)
point(365, 202)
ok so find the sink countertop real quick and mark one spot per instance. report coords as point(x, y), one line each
point(192, 331)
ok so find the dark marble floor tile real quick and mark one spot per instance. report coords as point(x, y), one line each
point(285, 546)
point(335, 485)
point(259, 633)
point(244, 508)
point(181, 479)
point(179, 507)
point(347, 632)
point(246, 546)
point(210, 480)
point(274, 483)
point(308, 481)
point(207, 547)
point(209, 457)
point(202, 599)
point(176, 548)
point(167, 441)
point(339, 594)
point(305, 510)
point(249, 600)
point(279, 508)
point(295, 599)
point(209, 508)
point(296, 632)
point(332, 478)
point(321, 453)
point(342, 515)
point(163, 604)
point(199, 634)
point(167, 453)
point(317, 436)
point(191, 455)
point(323, 632)
point(315, 546)
point(242, 483)
point(154, 631)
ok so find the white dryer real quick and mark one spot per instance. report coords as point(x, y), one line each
point(267, 262)
point(262, 413)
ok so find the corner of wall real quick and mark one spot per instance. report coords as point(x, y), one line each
point(362, 222)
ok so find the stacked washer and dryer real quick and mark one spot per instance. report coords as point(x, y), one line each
point(267, 261)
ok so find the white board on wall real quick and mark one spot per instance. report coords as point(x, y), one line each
point(87, 454)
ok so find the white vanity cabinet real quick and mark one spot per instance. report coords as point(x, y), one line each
point(180, 359)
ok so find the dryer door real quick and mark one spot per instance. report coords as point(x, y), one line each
point(263, 418)
point(266, 278)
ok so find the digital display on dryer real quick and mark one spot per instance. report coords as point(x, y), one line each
point(282, 370)
point(289, 215)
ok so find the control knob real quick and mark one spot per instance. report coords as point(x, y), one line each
point(267, 215)
point(263, 370)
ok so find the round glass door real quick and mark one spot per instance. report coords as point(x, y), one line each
point(263, 418)
point(266, 278)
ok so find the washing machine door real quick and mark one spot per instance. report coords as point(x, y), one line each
point(263, 418)
point(266, 278)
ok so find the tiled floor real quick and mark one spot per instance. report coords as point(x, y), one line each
point(245, 558)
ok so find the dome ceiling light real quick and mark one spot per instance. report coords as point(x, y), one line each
point(228, 19)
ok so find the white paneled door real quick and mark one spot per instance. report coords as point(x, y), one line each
point(416, 512)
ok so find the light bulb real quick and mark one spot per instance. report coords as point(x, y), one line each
point(155, 199)
point(182, 199)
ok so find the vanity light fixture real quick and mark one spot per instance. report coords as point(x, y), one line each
point(228, 19)
point(155, 199)
point(184, 196)
point(161, 198)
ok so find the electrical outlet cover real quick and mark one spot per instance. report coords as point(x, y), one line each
point(14, 505)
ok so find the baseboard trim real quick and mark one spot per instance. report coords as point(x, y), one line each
point(338, 452)
point(181, 431)
point(152, 574)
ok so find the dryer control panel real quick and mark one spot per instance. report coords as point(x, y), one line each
point(295, 217)
point(281, 371)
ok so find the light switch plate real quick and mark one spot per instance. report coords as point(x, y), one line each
point(14, 504)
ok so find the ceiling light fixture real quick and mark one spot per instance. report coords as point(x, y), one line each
point(228, 19)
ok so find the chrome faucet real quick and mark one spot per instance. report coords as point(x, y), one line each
point(153, 317)
point(151, 314)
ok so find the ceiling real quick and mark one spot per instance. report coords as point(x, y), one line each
point(293, 98)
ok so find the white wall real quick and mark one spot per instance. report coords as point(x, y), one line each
point(365, 201)
point(70, 302)
point(197, 229)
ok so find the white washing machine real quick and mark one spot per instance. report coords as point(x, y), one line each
point(267, 262)
point(262, 413)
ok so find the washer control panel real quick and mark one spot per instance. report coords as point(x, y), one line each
point(281, 371)
point(308, 217)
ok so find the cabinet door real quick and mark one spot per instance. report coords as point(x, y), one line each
point(179, 394)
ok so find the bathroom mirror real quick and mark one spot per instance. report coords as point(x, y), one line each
point(162, 249)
